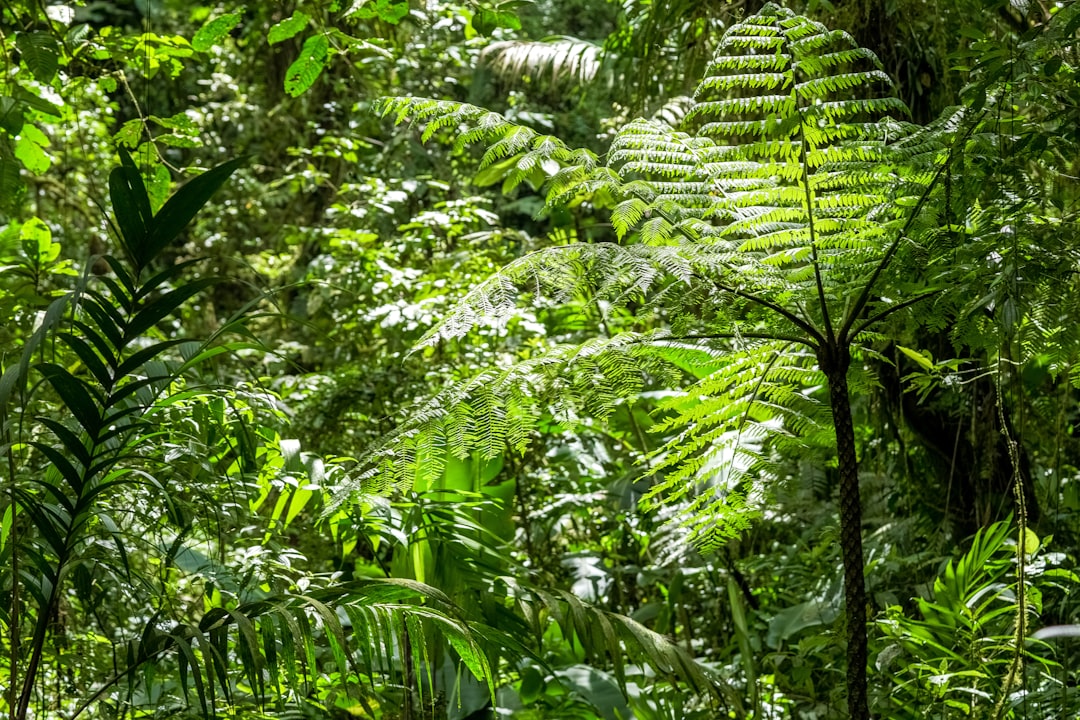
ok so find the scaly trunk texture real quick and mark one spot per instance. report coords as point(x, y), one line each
point(835, 368)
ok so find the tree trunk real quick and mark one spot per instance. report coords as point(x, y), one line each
point(835, 369)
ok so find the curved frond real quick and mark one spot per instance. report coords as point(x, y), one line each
point(557, 59)
point(730, 429)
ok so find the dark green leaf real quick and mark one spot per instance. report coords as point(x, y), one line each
point(72, 443)
point(138, 359)
point(11, 115)
point(126, 207)
point(41, 53)
point(121, 274)
point(179, 209)
point(288, 28)
point(74, 479)
point(160, 308)
point(89, 358)
point(389, 11)
point(31, 100)
point(186, 658)
point(164, 276)
point(138, 186)
point(75, 396)
point(11, 186)
point(104, 348)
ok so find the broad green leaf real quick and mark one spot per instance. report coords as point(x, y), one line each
point(306, 69)
point(1030, 542)
point(288, 27)
point(138, 188)
point(129, 133)
point(37, 242)
point(40, 52)
point(923, 361)
point(31, 154)
point(158, 189)
point(126, 190)
point(389, 11)
point(532, 685)
point(214, 31)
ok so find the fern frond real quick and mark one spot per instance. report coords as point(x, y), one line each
point(731, 423)
point(787, 184)
point(505, 139)
point(558, 59)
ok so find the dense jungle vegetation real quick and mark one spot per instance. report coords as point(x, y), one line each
point(655, 359)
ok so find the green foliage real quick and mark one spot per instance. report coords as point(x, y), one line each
point(74, 474)
point(956, 656)
point(750, 234)
point(601, 310)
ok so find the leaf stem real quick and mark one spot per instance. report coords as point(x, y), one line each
point(864, 295)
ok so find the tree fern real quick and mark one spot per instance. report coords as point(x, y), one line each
point(762, 230)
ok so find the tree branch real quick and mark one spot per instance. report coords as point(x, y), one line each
point(778, 309)
point(810, 223)
point(890, 310)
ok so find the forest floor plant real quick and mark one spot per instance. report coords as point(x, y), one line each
point(104, 509)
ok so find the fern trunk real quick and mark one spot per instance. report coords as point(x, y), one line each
point(835, 369)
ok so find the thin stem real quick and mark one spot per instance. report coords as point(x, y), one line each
point(878, 317)
point(805, 163)
point(886, 259)
point(737, 335)
point(14, 614)
point(778, 309)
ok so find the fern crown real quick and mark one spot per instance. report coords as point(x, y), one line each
point(759, 230)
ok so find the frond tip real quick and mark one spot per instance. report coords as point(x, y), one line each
point(559, 59)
